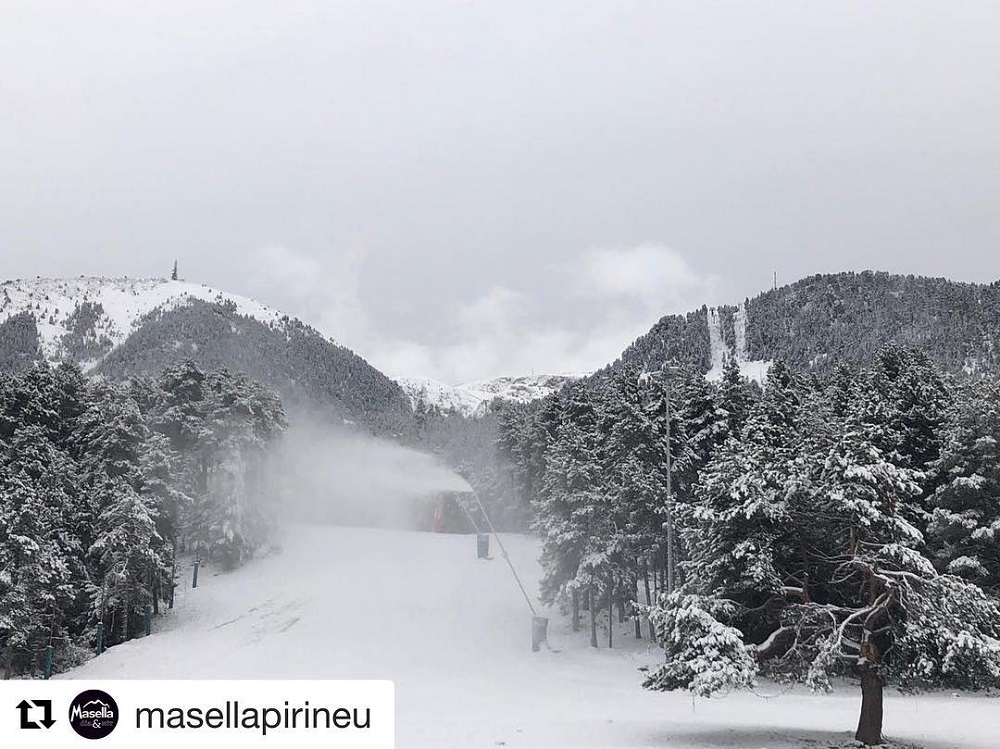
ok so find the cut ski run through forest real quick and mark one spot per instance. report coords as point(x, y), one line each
point(453, 633)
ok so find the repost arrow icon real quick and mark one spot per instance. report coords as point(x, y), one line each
point(26, 724)
point(25, 708)
point(47, 706)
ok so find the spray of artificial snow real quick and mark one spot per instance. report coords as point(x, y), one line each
point(345, 478)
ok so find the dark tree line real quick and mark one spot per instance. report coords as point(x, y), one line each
point(824, 320)
point(101, 485)
point(591, 462)
point(839, 525)
point(315, 377)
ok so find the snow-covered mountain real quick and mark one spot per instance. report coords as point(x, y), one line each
point(101, 313)
point(473, 398)
point(118, 327)
point(826, 320)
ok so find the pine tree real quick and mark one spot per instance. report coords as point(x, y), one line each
point(741, 517)
point(126, 551)
point(733, 400)
point(845, 589)
point(632, 423)
point(916, 399)
point(702, 427)
point(37, 585)
point(571, 515)
point(244, 419)
point(963, 530)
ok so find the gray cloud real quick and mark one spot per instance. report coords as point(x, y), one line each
point(468, 159)
point(604, 301)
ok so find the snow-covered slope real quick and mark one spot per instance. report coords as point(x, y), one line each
point(436, 395)
point(472, 398)
point(454, 635)
point(754, 370)
point(118, 303)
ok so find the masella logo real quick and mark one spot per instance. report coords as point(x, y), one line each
point(93, 714)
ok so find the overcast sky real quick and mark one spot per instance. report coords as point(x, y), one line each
point(460, 190)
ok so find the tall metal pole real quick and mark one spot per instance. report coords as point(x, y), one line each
point(670, 500)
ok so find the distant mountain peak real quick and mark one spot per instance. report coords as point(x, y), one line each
point(106, 310)
point(474, 398)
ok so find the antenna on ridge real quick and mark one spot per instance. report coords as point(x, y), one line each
point(776, 280)
point(173, 276)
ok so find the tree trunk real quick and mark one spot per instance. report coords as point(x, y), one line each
point(667, 580)
point(870, 723)
point(576, 610)
point(154, 586)
point(636, 618)
point(173, 571)
point(593, 616)
point(611, 614)
point(649, 601)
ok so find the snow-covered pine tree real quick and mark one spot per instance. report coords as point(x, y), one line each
point(89, 494)
point(158, 469)
point(571, 515)
point(525, 434)
point(858, 597)
point(39, 581)
point(127, 553)
point(244, 420)
point(843, 389)
point(701, 429)
point(703, 655)
point(917, 401)
point(32, 399)
point(963, 529)
point(734, 530)
point(733, 399)
point(127, 556)
point(176, 406)
point(633, 426)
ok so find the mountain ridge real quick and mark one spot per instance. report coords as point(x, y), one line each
point(473, 399)
point(826, 319)
point(121, 327)
point(107, 308)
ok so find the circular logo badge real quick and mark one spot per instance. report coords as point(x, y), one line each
point(93, 714)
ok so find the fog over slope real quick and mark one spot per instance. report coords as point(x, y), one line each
point(342, 477)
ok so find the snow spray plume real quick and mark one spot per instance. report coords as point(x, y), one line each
point(342, 477)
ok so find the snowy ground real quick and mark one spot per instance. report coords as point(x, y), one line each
point(454, 634)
